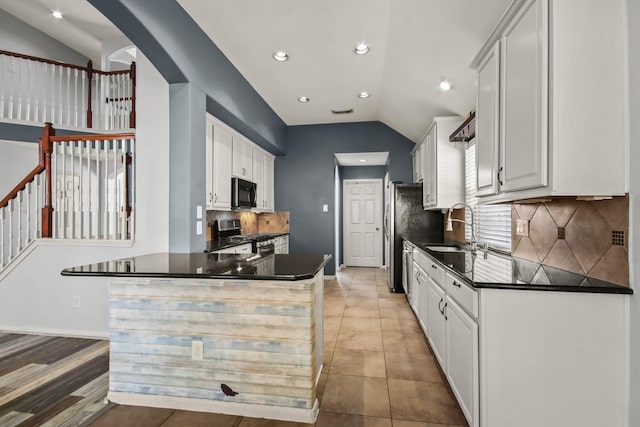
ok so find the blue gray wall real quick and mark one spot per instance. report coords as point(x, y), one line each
point(16, 36)
point(182, 52)
point(304, 178)
point(633, 11)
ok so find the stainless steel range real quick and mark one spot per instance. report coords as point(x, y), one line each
point(231, 229)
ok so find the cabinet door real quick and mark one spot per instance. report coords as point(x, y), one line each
point(462, 359)
point(423, 297)
point(524, 98)
point(487, 123)
point(415, 282)
point(436, 323)
point(221, 176)
point(267, 183)
point(242, 158)
point(430, 170)
point(258, 174)
point(417, 164)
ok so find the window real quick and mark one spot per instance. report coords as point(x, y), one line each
point(493, 222)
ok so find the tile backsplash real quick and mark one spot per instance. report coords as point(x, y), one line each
point(270, 222)
point(585, 237)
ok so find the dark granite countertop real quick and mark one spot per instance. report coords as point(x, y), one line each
point(507, 272)
point(208, 266)
point(216, 245)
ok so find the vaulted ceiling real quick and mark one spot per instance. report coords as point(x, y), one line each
point(413, 44)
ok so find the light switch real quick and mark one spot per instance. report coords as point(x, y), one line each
point(198, 227)
point(325, 208)
point(198, 212)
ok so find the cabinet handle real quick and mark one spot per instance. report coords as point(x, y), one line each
point(443, 309)
point(456, 284)
point(433, 266)
point(210, 198)
point(215, 197)
point(499, 172)
point(439, 304)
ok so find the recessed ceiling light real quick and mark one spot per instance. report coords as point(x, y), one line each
point(280, 56)
point(364, 95)
point(363, 160)
point(57, 14)
point(361, 49)
point(304, 99)
point(445, 85)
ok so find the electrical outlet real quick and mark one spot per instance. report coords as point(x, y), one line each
point(197, 350)
point(522, 227)
point(76, 301)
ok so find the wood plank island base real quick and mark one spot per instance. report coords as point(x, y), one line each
point(232, 334)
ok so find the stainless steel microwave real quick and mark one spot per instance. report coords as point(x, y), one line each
point(243, 194)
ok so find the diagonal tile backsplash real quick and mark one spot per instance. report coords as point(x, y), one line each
point(585, 237)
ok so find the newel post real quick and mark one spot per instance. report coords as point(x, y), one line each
point(46, 149)
point(89, 79)
point(132, 114)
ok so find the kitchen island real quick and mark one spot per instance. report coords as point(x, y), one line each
point(224, 333)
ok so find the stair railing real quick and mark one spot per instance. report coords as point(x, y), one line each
point(82, 188)
point(40, 90)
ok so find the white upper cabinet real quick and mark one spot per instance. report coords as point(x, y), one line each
point(443, 173)
point(242, 158)
point(230, 154)
point(487, 123)
point(263, 177)
point(416, 153)
point(523, 101)
point(219, 157)
point(559, 124)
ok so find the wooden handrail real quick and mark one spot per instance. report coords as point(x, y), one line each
point(97, 137)
point(21, 185)
point(46, 61)
point(90, 71)
point(43, 144)
point(46, 144)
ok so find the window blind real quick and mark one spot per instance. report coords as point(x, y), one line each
point(493, 222)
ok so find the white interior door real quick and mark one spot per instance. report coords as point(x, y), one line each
point(362, 219)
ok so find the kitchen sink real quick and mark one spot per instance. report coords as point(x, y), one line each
point(445, 248)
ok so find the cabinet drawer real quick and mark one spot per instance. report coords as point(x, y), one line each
point(463, 294)
point(433, 269)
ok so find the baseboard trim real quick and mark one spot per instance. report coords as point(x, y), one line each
point(215, 406)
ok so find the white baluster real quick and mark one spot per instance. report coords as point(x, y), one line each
point(4, 84)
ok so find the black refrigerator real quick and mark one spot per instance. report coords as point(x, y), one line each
point(405, 217)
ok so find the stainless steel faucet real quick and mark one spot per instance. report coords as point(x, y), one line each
point(449, 227)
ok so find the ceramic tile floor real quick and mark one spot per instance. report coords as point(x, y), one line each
point(378, 369)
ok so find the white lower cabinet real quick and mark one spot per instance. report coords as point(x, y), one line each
point(417, 281)
point(281, 244)
point(447, 310)
point(461, 357)
point(436, 321)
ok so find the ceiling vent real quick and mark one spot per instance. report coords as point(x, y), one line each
point(345, 111)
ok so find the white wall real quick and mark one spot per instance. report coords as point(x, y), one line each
point(17, 159)
point(34, 297)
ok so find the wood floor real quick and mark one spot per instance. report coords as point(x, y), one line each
point(51, 381)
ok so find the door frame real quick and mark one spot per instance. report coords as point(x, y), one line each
point(345, 227)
